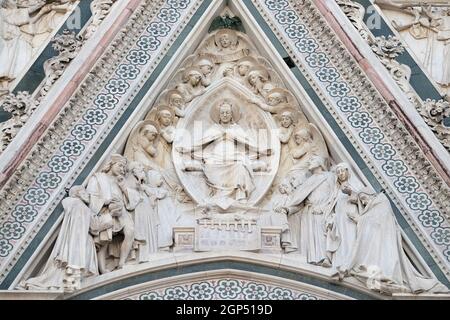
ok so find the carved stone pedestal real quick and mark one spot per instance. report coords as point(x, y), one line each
point(245, 236)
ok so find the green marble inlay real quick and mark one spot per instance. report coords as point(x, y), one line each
point(102, 149)
point(218, 265)
point(347, 144)
point(35, 74)
point(419, 81)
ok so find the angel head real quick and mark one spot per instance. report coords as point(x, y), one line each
point(287, 118)
point(117, 166)
point(302, 135)
point(149, 132)
point(342, 172)
point(175, 99)
point(155, 178)
point(228, 71)
point(193, 76)
point(244, 65)
point(205, 64)
point(165, 116)
point(226, 38)
point(266, 88)
point(276, 96)
point(257, 75)
point(80, 193)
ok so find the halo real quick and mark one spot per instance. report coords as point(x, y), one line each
point(294, 113)
point(284, 92)
point(231, 33)
point(188, 70)
point(172, 92)
point(214, 111)
point(263, 72)
point(247, 59)
point(204, 56)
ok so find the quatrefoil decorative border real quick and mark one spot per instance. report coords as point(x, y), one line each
point(97, 106)
point(307, 37)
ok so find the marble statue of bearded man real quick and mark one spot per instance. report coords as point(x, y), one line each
point(227, 156)
point(317, 194)
point(109, 196)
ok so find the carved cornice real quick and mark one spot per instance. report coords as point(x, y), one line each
point(374, 103)
point(401, 73)
point(384, 115)
point(25, 176)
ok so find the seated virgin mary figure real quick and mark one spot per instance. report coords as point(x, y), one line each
point(228, 156)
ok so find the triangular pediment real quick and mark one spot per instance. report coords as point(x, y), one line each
point(222, 146)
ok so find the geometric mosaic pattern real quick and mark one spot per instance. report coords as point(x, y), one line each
point(103, 110)
point(223, 289)
point(325, 72)
point(166, 20)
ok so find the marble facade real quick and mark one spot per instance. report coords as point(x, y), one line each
point(227, 154)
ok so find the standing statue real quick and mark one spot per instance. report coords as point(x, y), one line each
point(290, 226)
point(317, 195)
point(146, 218)
point(342, 232)
point(143, 143)
point(165, 208)
point(109, 196)
point(51, 15)
point(74, 256)
point(16, 48)
point(227, 155)
point(378, 256)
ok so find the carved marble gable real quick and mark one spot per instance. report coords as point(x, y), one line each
point(220, 151)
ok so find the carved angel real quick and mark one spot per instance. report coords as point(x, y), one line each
point(226, 45)
point(191, 86)
point(275, 100)
point(307, 143)
point(175, 101)
point(142, 144)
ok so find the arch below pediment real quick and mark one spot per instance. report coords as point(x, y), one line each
point(169, 274)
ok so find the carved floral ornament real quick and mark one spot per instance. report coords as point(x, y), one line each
point(225, 159)
point(428, 25)
point(23, 39)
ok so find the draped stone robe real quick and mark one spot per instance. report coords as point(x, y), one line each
point(318, 194)
point(226, 163)
point(103, 188)
point(379, 259)
point(15, 46)
point(74, 250)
